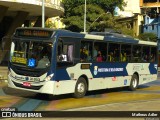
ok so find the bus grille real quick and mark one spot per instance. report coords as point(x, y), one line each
point(31, 87)
point(28, 72)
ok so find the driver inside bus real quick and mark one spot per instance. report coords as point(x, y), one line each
point(45, 59)
point(44, 62)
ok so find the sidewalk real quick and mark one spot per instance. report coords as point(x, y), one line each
point(3, 73)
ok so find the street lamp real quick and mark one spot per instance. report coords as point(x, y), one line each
point(85, 17)
point(43, 14)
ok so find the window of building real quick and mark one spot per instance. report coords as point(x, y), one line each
point(152, 27)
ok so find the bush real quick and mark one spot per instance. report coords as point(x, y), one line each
point(148, 37)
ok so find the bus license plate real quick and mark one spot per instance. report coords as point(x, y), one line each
point(27, 84)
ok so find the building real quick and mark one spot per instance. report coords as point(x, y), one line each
point(15, 13)
point(131, 8)
point(132, 15)
point(150, 11)
point(152, 25)
point(150, 7)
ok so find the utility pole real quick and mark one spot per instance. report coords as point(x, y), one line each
point(85, 17)
point(43, 13)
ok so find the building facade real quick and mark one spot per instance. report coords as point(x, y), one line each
point(132, 15)
point(15, 13)
point(150, 10)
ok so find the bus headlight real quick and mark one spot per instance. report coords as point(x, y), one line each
point(49, 77)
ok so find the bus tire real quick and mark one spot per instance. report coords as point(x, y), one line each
point(134, 83)
point(80, 88)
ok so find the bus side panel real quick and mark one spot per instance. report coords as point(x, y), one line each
point(103, 75)
point(95, 83)
point(109, 75)
point(113, 82)
point(147, 71)
point(67, 77)
point(64, 87)
point(147, 78)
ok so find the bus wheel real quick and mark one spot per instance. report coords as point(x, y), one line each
point(81, 88)
point(134, 83)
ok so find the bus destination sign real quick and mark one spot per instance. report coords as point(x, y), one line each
point(33, 33)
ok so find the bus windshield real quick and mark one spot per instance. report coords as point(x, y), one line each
point(33, 54)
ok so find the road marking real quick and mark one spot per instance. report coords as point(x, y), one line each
point(30, 105)
point(98, 106)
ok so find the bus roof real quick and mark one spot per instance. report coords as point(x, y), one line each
point(102, 36)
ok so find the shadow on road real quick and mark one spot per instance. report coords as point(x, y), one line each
point(46, 97)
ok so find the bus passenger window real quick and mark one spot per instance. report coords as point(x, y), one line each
point(86, 51)
point(70, 53)
point(95, 52)
point(153, 54)
point(145, 53)
point(152, 57)
point(123, 57)
point(99, 57)
point(99, 51)
point(67, 53)
point(65, 58)
point(83, 55)
point(136, 53)
point(125, 53)
point(110, 57)
point(114, 52)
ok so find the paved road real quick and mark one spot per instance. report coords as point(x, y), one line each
point(146, 98)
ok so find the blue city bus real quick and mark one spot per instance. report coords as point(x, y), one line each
point(59, 62)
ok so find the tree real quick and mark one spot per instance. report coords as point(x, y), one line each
point(99, 14)
point(123, 28)
point(75, 22)
point(148, 37)
point(106, 5)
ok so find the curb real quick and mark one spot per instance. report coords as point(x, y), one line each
point(2, 78)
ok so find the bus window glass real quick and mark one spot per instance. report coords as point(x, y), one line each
point(145, 53)
point(153, 54)
point(32, 54)
point(86, 51)
point(100, 51)
point(125, 55)
point(113, 52)
point(136, 52)
point(65, 53)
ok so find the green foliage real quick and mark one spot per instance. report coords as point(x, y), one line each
point(148, 37)
point(49, 25)
point(107, 5)
point(122, 28)
point(76, 21)
point(99, 14)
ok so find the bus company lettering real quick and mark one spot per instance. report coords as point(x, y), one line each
point(110, 69)
point(138, 67)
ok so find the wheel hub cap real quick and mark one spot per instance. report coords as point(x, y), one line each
point(80, 88)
